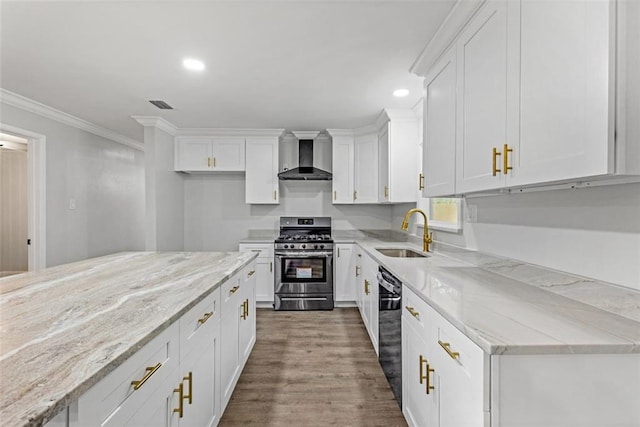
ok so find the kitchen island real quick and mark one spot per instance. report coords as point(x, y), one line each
point(67, 327)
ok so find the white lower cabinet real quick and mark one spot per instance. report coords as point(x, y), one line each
point(447, 380)
point(264, 271)
point(344, 278)
point(367, 294)
point(186, 374)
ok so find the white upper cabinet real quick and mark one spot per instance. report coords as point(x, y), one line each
point(397, 152)
point(481, 98)
point(343, 174)
point(566, 105)
point(262, 171)
point(209, 154)
point(544, 94)
point(365, 184)
point(439, 145)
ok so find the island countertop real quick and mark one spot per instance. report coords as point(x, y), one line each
point(64, 328)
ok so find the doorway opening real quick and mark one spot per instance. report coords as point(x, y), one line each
point(22, 196)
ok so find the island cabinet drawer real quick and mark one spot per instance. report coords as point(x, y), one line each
point(415, 311)
point(248, 273)
point(200, 323)
point(264, 251)
point(133, 382)
point(232, 290)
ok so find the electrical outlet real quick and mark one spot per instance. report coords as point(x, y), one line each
point(472, 213)
point(72, 204)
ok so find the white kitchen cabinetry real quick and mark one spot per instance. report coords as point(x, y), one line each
point(359, 282)
point(238, 328)
point(345, 264)
point(209, 154)
point(264, 271)
point(543, 96)
point(443, 371)
point(368, 295)
point(397, 152)
point(343, 169)
point(355, 167)
point(482, 99)
point(262, 182)
point(439, 145)
point(447, 380)
point(365, 183)
point(176, 378)
point(567, 109)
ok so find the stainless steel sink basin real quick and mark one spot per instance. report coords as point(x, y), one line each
point(401, 253)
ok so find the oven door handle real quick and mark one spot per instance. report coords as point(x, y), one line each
point(304, 254)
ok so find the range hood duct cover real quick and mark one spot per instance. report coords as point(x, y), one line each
point(305, 170)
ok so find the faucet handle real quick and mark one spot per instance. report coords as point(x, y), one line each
point(430, 237)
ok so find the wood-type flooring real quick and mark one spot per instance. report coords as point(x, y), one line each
point(312, 368)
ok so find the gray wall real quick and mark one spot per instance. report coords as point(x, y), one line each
point(216, 216)
point(164, 194)
point(593, 232)
point(105, 178)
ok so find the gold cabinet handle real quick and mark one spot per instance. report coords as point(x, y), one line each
point(422, 376)
point(245, 309)
point(214, 162)
point(180, 408)
point(205, 317)
point(208, 162)
point(426, 377)
point(496, 153)
point(275, 194)
point(357, 271)
point(366, 286)
point(447, 347)
point(150, 370)
point(386, 191)
point(421, 182)
point(335, 195)
point(251, 273)
point(413, 312)
point(428, 385)
point(355, 195)
point(190, 395)
point(270, 266)
point(233, 290)
point(505, 160)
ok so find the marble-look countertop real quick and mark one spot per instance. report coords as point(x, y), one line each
point(507, 306)
point(64, 328)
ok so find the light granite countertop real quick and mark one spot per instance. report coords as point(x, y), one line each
point(507, 306)
point(64, 328)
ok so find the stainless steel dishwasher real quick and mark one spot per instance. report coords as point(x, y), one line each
point(389, 323)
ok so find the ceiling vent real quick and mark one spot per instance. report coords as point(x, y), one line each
point(162, 105)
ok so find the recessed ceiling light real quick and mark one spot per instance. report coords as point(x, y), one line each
point(400, 93)
point(193, 64)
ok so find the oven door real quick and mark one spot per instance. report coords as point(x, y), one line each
point(304, 273)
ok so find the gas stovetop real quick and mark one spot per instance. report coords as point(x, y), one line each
point(305, 233)
point(304, 238)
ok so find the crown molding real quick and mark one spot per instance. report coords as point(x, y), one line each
point(341, 132)
point(158, 122)
point(455, 21)
point(228, 132)
point(306, 134)
point(27, 104)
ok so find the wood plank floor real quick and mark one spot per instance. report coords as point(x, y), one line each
point(312, 368)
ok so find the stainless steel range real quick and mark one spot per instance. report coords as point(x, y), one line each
point(304, 264)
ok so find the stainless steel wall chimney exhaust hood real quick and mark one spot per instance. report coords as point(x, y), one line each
point(305, 170)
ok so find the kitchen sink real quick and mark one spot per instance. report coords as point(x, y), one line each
point(401, 253)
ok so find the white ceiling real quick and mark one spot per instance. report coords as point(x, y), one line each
point(299, 65)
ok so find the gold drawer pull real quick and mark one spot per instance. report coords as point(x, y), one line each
point(413, 312)
point(245, 309)
point(422, 362)
point(496, 153)
point(421, 182)
point(233, 290)
point(505, 160)
point(150, 370)
point(366, 287)
point(208, 162)
point(180, 408)
point(205, 317)
point(190, 379)
point(386, 191)
point(251, 273)
point(214, 162)
point(446, 346)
